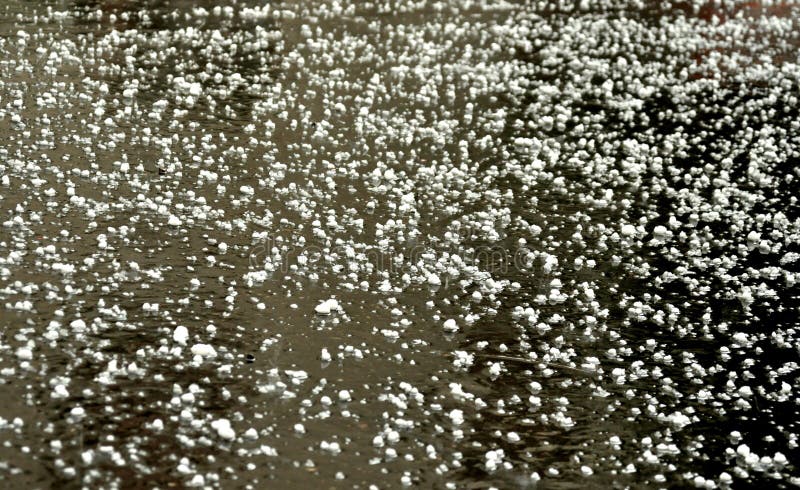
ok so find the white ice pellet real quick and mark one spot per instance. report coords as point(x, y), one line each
point(60, 391)
point(78, 325)
point(327, 306)
point(331, 447)
point(197, 481)
point(223, 429)
point(456, 416)
point(180, 335)
point(204, 350)
point(450, 325)
point(25, 353)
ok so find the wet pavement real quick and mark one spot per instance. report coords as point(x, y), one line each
point(375, 245)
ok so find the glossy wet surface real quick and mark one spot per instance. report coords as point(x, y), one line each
point(433, 244)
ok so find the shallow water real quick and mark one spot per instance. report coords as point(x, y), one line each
point(536, 221)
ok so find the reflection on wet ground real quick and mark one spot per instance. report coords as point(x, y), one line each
point(443, 244)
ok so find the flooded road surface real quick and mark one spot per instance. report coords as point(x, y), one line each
point(455, 244)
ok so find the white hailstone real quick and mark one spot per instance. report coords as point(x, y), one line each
point(628, 230)
point(197, 481)
point(331, 447)
point(434, 280)
point(180, 335)
point(450, 325)
point(25, 353)
point(195, 282)
point(745, 296)
point(325, 356)
point(430, 451)
point(60, 391)
point(204, 350)
point(151, 307)
point(251, 434)
point(456, 416)
point(740, 338)
point(78, 325)
point(463, 359)
point(494, 459)
point(224, 429)
point(377, 441)
point(174, 220)
point(679, 420)
point(327, 306)
point(344, 395)
point(87, 457)
point(223, 247)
